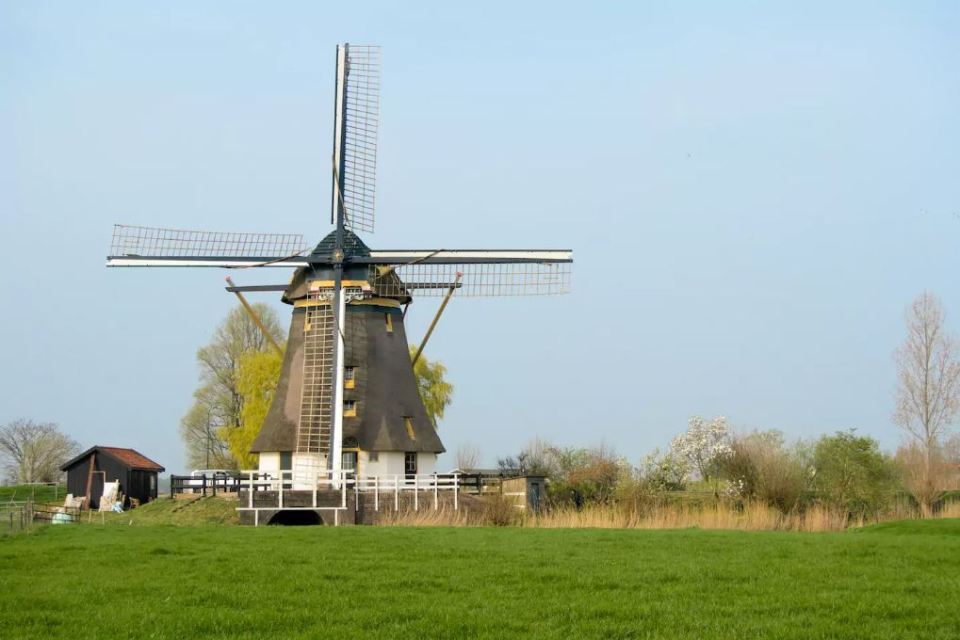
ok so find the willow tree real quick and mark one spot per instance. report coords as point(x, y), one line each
point(218, 402)
point(435, 391)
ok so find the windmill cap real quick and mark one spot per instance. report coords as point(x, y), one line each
point(353, 246)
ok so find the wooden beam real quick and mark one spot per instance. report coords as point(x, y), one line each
point(93, 460)
point(436, 318)
point(254, 316)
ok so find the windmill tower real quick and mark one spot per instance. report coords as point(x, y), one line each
point(347, 396)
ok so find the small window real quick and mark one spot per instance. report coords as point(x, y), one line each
point(349, 377)
point(408, 423)
point(349, 408)
point(286, 460)
point(348, 461)
point(410, 463)
point(389, 321)
point(373, 456)
point(351, 443)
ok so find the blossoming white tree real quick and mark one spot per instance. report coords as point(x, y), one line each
point(703, 444)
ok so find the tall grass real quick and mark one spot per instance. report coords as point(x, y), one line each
point(750, 516)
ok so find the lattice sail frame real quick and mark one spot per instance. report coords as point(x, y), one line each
point(479, 280)
point(159, 242)
point(361, 123)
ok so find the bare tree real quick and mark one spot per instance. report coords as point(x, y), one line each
point(468, 456)
point(928, 389)
point(33, 451)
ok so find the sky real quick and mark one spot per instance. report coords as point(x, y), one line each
point(754, 193)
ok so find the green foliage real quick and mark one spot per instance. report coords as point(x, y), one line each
point(851, 473)
point(217, 401)
point(256, 380)
point(663, 472)
point(195, 582)
point(435, 391)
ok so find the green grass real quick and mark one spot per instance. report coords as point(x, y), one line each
point(900, 580)
point(40, 494)
point(182, 512)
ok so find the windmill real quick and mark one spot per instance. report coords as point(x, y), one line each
point(347, 394)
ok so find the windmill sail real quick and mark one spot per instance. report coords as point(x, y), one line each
point(356, 125)
point(135, 246)
point(482, 273)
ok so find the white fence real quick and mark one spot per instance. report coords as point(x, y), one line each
point(387, 488)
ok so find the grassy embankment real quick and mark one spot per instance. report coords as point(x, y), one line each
point(38, 493)
point(897, 580)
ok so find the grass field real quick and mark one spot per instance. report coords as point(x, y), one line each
point(39, 493)
point(899, 580)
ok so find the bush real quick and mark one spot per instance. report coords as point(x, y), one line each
point(500, 511)
point(852, 474)
point(759, 467)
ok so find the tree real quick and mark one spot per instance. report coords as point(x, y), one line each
point(928, 384)
point(435, 391)
point(34, 451)
point(703, 445)
point(218, 403)
point(468, 456)
point(926, 474)
point(257, 375)
point(851, 473)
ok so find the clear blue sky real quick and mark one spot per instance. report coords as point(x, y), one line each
point(754, 194)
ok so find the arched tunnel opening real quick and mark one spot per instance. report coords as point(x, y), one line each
point(296, 518)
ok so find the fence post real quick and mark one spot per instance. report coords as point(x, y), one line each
point(435, 489)
point(396, 493)
point(376, 494)
point(416, 492)
point(456, 489)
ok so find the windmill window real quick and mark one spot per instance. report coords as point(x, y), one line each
point(410, 463)
point(286, 460)
point(408, 423)
point(349, 408)
point(389, 320)
point(349, 377)
point(373, 456)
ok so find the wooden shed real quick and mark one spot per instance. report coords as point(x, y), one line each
point(137, 474)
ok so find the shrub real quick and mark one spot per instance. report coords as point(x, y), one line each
point(759, 466)
point(852, 474)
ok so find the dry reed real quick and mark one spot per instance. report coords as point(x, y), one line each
point(751, 516)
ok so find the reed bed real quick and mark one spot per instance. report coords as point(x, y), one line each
point(750, 516)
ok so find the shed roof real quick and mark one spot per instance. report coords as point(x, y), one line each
point(129, 457)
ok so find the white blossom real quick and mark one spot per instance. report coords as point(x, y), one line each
point(703, 444)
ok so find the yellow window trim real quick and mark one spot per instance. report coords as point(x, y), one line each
point(326, 284)
point(372, 302)
point(408, 423)
point(389, 320)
